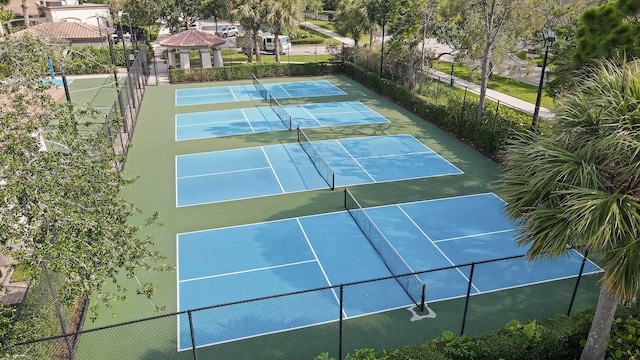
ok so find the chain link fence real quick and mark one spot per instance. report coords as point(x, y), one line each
point(439, 99)
point(338, 320)
point(121, 120)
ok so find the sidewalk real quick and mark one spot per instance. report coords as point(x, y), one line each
point(504, 99)
point(160, 69)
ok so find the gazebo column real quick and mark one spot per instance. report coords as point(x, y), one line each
point(217, 57)
point(205, 58)
point(185, 63)
point(171, 57)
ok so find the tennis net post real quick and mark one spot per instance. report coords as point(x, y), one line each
point(284, 116)
point(404, 275)
point(261, 88)
point(321, 165)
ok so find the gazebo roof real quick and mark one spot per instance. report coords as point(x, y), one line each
point(192, 39)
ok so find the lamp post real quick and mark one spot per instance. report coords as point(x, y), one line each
point(124, 45)
point(133, 39)
point(550, 37)
point(381, 57)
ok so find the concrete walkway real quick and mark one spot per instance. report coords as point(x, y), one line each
point(159, 70)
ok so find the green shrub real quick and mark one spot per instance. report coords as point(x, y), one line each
point(309, 40)
point(461, 347)
point(556, 338)
point(624, 342)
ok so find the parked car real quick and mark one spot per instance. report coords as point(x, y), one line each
point(228, 30)
point(196, 25)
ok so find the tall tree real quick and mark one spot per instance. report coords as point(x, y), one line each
point(251, 14)
point(315, 6)
point(612, 29)
point(216, 9)
point(579, 186)
point(485, 27)
point(411, 23)
point(61, 207)
point(351, 19)
point(282, 14)
point(143, 12)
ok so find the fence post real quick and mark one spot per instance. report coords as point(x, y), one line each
point(575, 289)
point(193, 336)
point(495, 123)
point(466, 301)
point(452, 80)
point(464, 103)
point(435, 106)
point(395, 85)
point(340, 324)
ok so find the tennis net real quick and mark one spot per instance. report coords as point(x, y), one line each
point(284, 116)
point(261, 89)
point(412, 284)
point(323, 167)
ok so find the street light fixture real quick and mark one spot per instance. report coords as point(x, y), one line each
point(550, 37)
point(124, 45)
point(133, 40)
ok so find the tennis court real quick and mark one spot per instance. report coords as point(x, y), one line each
point(208, 124)
point(258, 260)
point(284, 168)
point(221, 94)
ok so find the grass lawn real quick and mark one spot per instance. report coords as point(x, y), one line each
point(328, 40)
point(502, 84)
point(329, 26)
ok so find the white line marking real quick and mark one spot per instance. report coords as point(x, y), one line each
point(246, 271)
point(246, 118)
point(320, 265)
point(474, 235)
point(310, 114)
point(356, 161)
point(224, 172)
point(273, 171)
point(434, 245)
point(283, 89)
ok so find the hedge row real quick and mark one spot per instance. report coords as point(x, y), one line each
point(557, 338)
point(244, 72)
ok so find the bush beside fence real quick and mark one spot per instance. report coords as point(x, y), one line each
point(244, 72)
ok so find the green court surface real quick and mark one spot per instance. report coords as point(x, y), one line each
point(152, 159)
point(98, 92)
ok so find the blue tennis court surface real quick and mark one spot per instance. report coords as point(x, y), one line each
point(277, 169)
point(260, 119)
point(258, 260)
point(220, 94)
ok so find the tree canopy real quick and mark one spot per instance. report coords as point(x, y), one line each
point(60, 204)
point(578, 186)
point(610, 30)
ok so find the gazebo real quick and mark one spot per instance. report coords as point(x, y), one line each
point(193, 39)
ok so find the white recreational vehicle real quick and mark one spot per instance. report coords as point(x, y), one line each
point(269, 45)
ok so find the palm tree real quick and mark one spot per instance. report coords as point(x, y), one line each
point(580, 186)
point(351, 19)
point(283, 14)
point(251, 14)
